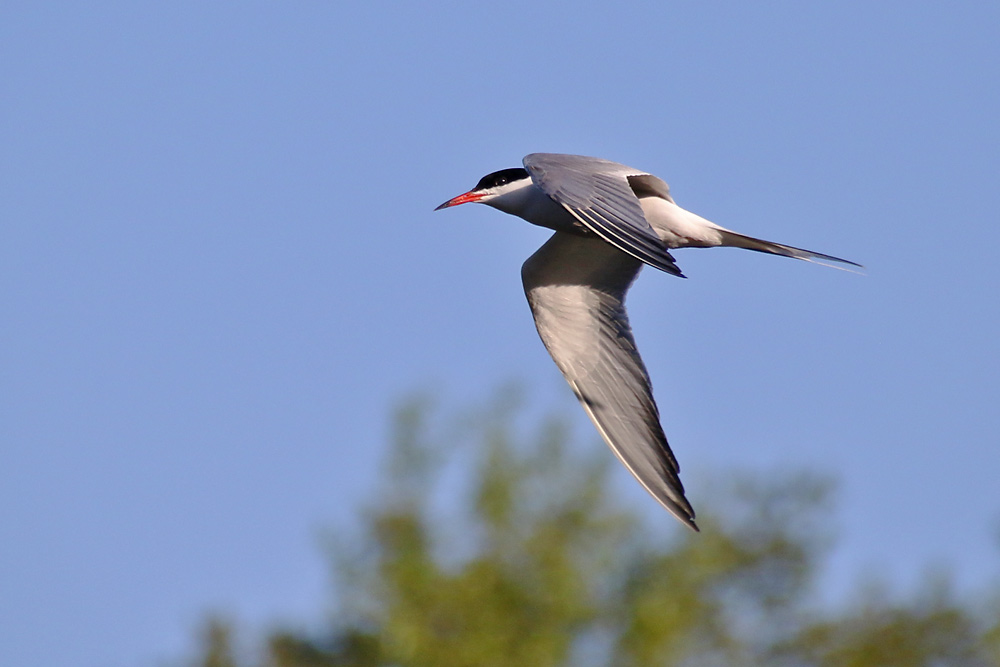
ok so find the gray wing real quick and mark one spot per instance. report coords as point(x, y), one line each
point(576, 288)
point(597, 193)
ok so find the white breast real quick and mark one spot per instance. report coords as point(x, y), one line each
point(530, 203)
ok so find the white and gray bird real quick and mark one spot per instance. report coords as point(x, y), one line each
point(609, 220)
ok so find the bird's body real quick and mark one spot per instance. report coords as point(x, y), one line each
point(609, 220)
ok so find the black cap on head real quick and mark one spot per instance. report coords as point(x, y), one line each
point(501, 177)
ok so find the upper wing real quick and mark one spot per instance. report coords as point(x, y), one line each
point(576, 288)
point(597, 193)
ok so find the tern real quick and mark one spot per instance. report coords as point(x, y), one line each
point(609, 220)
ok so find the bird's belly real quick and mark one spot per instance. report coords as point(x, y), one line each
point(546, 212)
point(677, 227)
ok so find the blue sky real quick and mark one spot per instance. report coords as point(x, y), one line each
point(220, 269)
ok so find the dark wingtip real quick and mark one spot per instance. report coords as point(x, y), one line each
point(684, 513)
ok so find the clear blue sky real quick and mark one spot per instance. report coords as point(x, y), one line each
point(220, 268)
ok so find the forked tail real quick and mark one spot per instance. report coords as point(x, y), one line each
point(735, 240)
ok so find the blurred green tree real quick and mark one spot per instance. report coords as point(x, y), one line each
point(539, 564)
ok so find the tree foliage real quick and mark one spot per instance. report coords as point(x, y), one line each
point(515, 551)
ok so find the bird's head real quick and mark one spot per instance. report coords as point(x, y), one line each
point(491, 187)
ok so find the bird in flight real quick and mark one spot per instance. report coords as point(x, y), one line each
point(609, 220)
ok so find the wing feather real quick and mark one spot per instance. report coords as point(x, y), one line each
point(576, 288)
point(597, 193)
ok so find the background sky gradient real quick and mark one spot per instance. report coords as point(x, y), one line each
point(220, 269)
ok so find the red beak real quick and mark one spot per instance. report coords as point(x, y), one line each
point(461, 199)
